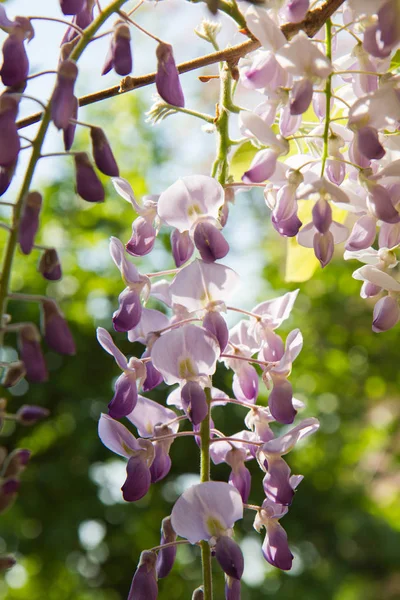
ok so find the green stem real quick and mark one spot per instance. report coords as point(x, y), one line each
point(35, 156)
point(328, 95)
point(220, 169)
point(205, 476)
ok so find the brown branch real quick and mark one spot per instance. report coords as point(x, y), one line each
point(311, 24)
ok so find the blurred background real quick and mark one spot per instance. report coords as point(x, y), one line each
point(73, 535)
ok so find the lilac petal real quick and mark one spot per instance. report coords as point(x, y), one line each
point(194, 402)
point(273, 349)
point(124, 189)
point(9, 140)
point(182, 247)
point(210, 242)
point(31, 354)
point(371, 45)
point(185, 353)
point(369, 290)
point(377, 277)
point(128, 271)
point(152, 320)
point(200, 283)
point(69, 132)
point(153, 377)
point(102, 153)
point(72, 7)
point(275, 311)
point(148, 414)
point(49, 265)
point(388, 20)
point(215, 323)
point(285, 443)
point(322, 215)
point(142, 239)
point(105, 340)
point(121, 51)
point(262, 167)
point(293, 346)
point(56, 331)
point(323, 247)
point(144, 584)
point(275, 547)
point(125, 397)
point(248, 381)
point(386, 314)
point(206, 510)
point(363, 234)
point(161, 464)
point(288, 123)
point(88, 185)
point(295, 10)
point(116, 437)
point(6, 174)
point(368, 143)
point(276, 481)
point(166, 556)
point(63, 102)
point(232, 589)
point(355, 155)
point(167, 76)
point(301, 96)
point(29, 222)
point(389, 235)
point(280, 402)
point(129, 312)
point(336, 171)
point(5, 22)
point(241, 479)
point(380, 204)
point(229, 556)
point(138, 479)
point(15, 68)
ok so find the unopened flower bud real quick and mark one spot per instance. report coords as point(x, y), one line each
point(7, 561)
point(15, 66)
point(194, 402)
point(215, 323)
point(16, 462)
point(166, 556)
point(14, 373)
point(280, 401)
point(229, 556)
point(102, 153)
point(210, 242)
point(9, 140)
point(69, 132)
point(49, 265)
point(125, 397)
point(29, 223)
point(8, 492)
point(72, 7)
point(119, 55)
point(386, 314)
point(129, 312)
point(31, 414)
point(88, 185)
point(31, 354)
point(63, 102)
point(182, 246)
point(138, 479)
point(167, 76)
point(144, 584)
point(56, 331)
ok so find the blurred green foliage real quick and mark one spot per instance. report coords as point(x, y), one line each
point(73, 535)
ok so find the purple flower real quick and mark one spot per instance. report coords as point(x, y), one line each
point(166, 556)
point(31, 354)
point(144, 584)
point(119, 55)
point(9, 141)
point(143, 237)
point(8, 492)
point(210, 242)
point(232, 589)
point(368, 143)
point(49, 265)
point(301, 96)
point(29, 222)
point(102, 153)
point(229, 556)
point(15, 68)
point(182, 247)
point(63, 102)
point(29, 414)
point(82, 19)
point(69, 132)
point(88, 185)
point(72, 7)
point(215, 323)
point(56, 331)
point(167, 76)
point(240, 476)
point(194, 402)
point(386, 314)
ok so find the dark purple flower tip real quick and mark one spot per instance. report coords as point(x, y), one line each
point(63, 101)
point(15, 372)
point(49, 265)
point(232, 589)
point(144, 583)
point(10, 144)
point(229, 556)
point(16, 462)
point(280, 402)
point(7, 561)
point(56, 331)
point(198, 594)
point(142, 239)
point(275, 547)
point(167, 76)
point(138, 479)
point(277, 481)
point(129, 312)
point(210, 242)
point(166, 556)
point(368, 143)
point(386, 314)
point(194, 402)
point(31, 354)
point(69, 132)
point(153, 376)
point(323, 247)
point(322, 215)
point(161, 464)
point(102, 153)
point(29, 223)
point(301, 96)
point(88, 185)
point(262, 167)
point(125, 397)
point(215, 323)
point(15, 67)
point(241, 479)
point(72, 7)
point(182, 247)
point(29, 414)
point(121, 50)
point(6, 175)
point(10, 486)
